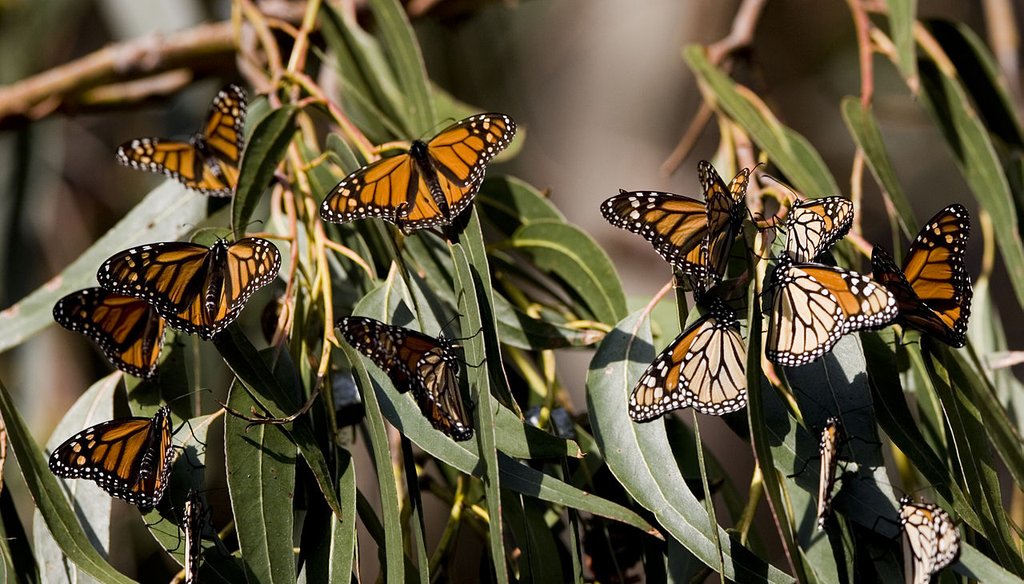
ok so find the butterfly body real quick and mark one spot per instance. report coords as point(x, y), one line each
point(704, 368)
point(415, 362)
point(427, 186)
point(931, 539)
point(130, 458)
point(128, 330)
point(209, 161)
point(933, 288)
point(694, 236)
point(197, 289)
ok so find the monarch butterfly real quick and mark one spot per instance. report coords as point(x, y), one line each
point(693, 236)
point(704, 367)
point(416, 362)
point(128, 330)
point(933, 290)
point(815, 225)
point(813, 305)
point(194, 518)
point(828, 449)
point(130, 458)
point(209, 161)
point(931, 540)
point(198, 289)
point(430, 184)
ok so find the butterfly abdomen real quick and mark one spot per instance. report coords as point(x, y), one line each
point(216, 268)
point(420, 155)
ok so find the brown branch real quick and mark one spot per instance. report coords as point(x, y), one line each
point(40, 95)
point(740, 36)
point(742, 32)
point(1003, 36)
point(862, 24)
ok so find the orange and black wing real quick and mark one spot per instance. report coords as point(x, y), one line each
point(417, 362)
point(130, 458)
point(676, 226)
point(195, 517)
point(222, 135)
point(933, 290)
point(198, 290)
point(392, 189)
point(724, 207)
point(249, 265)
point(209, 162)
point(128, 330)
point(399, 190)
point(233, 273)
point(813, 306)
point(459, 155)
point(168, 275)
point(704, 367)
point(814, 226)
point(436, 389)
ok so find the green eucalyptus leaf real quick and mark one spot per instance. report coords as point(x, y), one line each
point(403, 52)
point(49, 497)
point(787, 149)
point(265, 150)
point(864, 129)
point(637, 455)
point(976, 157)
point(166, 214)
point(571, 255)
point(260, 464)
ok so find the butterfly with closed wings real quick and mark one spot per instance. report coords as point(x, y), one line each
point(931, 540)
point(704, 368)
point(694, 236)
point(417, 362)
point(197, 289)
point(828, 450)
point(130, 458)
point(195, 516)
point(128, 330)
point(427, 186)
point(210, 160)
point(933, 289)
point(813, 305)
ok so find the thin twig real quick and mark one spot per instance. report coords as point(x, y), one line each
point(740, 36)
point(862, 25)
point(690, 137)
point(40, 95)
point(1004, 38)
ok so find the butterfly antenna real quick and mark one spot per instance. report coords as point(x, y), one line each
point(807, 461)
point(258, 419)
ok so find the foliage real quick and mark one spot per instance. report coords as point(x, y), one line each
point(549, 496)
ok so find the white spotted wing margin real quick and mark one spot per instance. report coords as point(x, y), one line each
point(704, 368)
point(642, 459)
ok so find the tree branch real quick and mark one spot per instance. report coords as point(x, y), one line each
point(34, 98)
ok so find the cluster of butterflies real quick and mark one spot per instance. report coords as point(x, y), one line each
point(200, 290)
point(931, 538)
point(189, 287)
point(810, 306)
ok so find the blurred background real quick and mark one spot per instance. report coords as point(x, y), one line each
point(600, 88)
